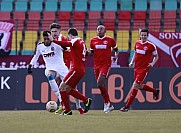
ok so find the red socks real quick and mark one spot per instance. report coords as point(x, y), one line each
point(104, 94)
point(148, 88)
point(78, 95)
point(131, 98)
point(65, 100)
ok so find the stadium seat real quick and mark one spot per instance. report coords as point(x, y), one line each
point(154, 20)
point(66, 6)
point(21, 6)
point(49, 16)
point(5, 15)
point(126, 5)
point(64, 25)
point(122, 39)
point(19, 17)
point(169, 20)
point(79, 25)
point(46, 24)
point(33, 25)
point(30, 39)
point(94, 15)
point(109, 24)
point(156, 5)
point(6, 6)
point(81, 5)
point(170, 5)
point(135, 37)
point(51, 6)
point(90, 34)
point(109, 15)
point(140, 5)
point(96, 6)
point(79, 15)
point(19, 38)
point(64, 16)
point(34, 15)
point(110, 5)
point(139, 19)
point(36, 6)
point(92, 24)
point(124, 15)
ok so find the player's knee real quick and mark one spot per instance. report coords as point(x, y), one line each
point(137, 86)
point(50, 76)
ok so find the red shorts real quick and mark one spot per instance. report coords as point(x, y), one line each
point(139, 76)
point(73, 77)
point(101, 70)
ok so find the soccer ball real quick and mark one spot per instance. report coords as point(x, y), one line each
point(51, 106)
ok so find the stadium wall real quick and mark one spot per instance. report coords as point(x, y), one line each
point(22, 91)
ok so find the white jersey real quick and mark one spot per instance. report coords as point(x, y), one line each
point(53, 58)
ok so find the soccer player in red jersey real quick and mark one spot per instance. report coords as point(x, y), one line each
point(144, 51)
point(69, 83)
point(101, 46)
point(55, 29)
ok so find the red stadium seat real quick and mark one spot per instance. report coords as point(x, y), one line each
point(94, 15)
point(109, 15)
point(78, 16)
point(155, 15)
point(32, 25)
point(5, 15)
point(64, 16)
point(34, 15)
point(20, 18)
point(124, 15)
point(79, 25)
point(92, 24)
point(169, 20)
point(170, 14)
point(49, 16)
point(139, 15)
point(154, 20)
point(64, 25)
point(46, 24)
point(109, 24)
point(124, 25)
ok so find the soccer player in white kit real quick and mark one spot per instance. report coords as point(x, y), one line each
point(55, 66)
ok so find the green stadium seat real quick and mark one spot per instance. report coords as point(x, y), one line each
point(6, 6)
point(51, 6)
point(126, 5)
point(21, 6)
point(81, 5)
point(155, 5)
point(96, 6)
point(36, 6)
point(140, 5)
point(66, 6)
point(170, 5)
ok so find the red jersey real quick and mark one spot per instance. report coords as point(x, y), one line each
point(78, 52)
point(143, 54)
point(102, 50)
point(66, 54)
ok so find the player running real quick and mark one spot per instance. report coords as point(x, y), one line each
point(101, 46)
point(144, 50)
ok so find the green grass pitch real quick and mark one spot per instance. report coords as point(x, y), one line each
point(95, 121)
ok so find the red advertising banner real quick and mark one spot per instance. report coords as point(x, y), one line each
point(169, 48)
point(6, 29)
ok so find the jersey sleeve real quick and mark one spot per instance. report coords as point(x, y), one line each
point(35, 57)
point(91, 45)
point(154, 50)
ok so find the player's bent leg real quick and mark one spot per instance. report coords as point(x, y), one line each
point(78, 106)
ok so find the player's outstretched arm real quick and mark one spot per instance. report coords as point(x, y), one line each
point(63, 43)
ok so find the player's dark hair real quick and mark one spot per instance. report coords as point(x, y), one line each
point(73, 32)
point(55, 25)
point(144, 30)
point(45, 33)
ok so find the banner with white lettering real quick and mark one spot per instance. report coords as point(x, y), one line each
point(6, 30)
point(169, 48)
